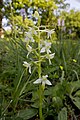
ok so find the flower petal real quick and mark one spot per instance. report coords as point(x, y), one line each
point(25, 64)
point(29, 48)
point(52, 56)
point(48, 44)
point(37, 81)
point(47, 82)
point(48, 51)
point(46, 76)
point(30, 69)
point(42, 50)
point(28, 54)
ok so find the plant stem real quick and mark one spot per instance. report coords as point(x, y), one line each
point(40, 93)
point(40, 103)
point(40, 88)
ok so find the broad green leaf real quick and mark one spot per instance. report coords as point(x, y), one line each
point(27, 113)
point(62, 114)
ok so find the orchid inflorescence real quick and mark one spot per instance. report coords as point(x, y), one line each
point(43, 51)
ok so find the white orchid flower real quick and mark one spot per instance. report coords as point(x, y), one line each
point(29, 48)
point(29, 37)
point(46, 48)
point(50, 32)
point(43, 80)
point(32, 31)
point(27, 65)
point(50, 56)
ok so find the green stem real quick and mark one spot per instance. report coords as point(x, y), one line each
point(40, 88)
point(40, 103)
point(40, 94)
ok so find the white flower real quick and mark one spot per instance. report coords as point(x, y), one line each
point(28, 66)
point(29, 37)
point(50, 56)
point(32, 31)
point(50, 32)
point(46, 48)
point(29, 48)
point(43, 80)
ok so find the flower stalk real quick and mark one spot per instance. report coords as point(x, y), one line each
point(39, 75)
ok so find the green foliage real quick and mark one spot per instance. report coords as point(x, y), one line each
point(72, 22)
point(45, 8)
point(17, 85)
point(63, 114)
point(19, 98)
point(26, 114)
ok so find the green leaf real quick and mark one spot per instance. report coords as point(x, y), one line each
point(62, 114)
point(27, 114)
point(77, 93)
point(75, 86)
point(76, 101)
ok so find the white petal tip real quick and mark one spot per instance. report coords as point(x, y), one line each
point(48, 82)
